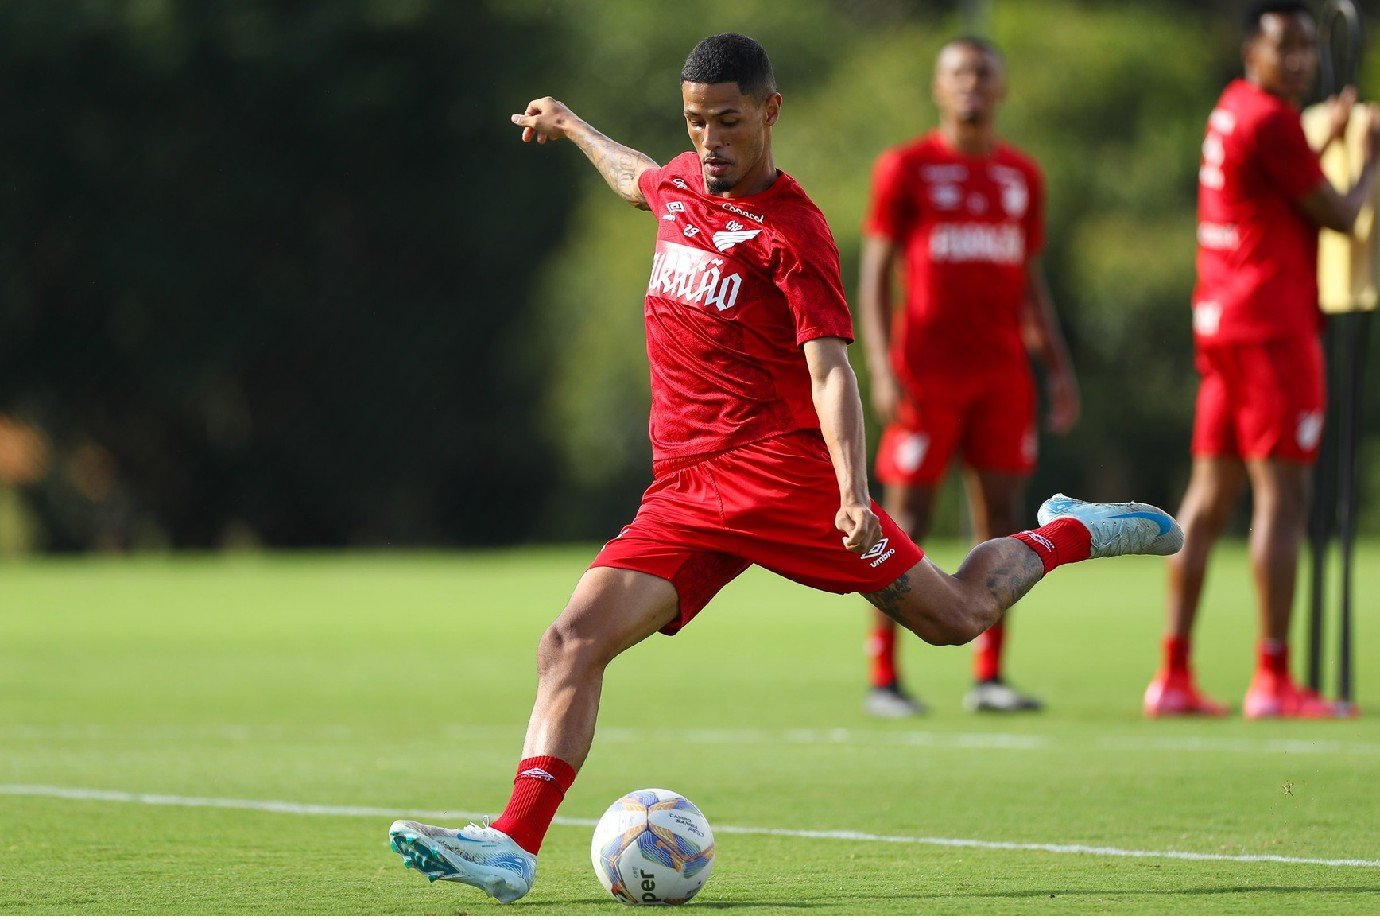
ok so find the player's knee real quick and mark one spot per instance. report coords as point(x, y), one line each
point(567, 646)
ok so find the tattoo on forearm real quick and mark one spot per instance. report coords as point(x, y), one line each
point(618, 165)
point(888, 600)
point(1010, 581)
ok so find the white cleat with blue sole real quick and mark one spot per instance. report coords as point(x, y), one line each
point(483, 857)
point(1118, 528)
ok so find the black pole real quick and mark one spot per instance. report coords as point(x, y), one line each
point(1322, 517)
point(1354, 368)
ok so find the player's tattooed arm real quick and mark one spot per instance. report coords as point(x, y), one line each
point(547, 119)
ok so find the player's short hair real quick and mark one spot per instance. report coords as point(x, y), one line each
point(1250, 20)
point(976, 42)
point(731, 58)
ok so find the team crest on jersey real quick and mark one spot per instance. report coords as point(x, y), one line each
point(945, 195)
point(725, 240)
point(1015, 198)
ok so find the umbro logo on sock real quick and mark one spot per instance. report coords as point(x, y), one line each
point(1039, 538)
point(537, 773)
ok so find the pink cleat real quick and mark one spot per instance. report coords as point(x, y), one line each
point(1275, 696)
point(1172, 693)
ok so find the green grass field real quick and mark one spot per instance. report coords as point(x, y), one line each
point(152, 711)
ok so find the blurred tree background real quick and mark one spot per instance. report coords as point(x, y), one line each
point(281, 273)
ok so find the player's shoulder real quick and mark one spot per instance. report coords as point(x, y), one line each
point(679, 170)
point(928, 147)
point(1247, 107)
point(789, 212)
point(1016, 158)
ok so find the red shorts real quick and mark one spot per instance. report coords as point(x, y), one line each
point(989, 419)
point(1261, 399)
point(771, 503)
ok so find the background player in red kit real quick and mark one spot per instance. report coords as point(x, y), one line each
point(757, 448)
point(1261, 199)
point(962, 215)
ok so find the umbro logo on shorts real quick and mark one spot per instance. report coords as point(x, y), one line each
point(876, 550)
point(879, 552)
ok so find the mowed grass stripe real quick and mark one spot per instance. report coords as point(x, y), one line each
point(367, 811)
point(789, 736)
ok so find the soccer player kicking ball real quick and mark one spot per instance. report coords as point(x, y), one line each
point(1261, 198)
point(758, 453)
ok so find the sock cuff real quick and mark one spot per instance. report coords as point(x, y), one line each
point(548, 769)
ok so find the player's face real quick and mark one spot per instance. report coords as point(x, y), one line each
point(731, 132)
point(968, 84)
point(1283, 58)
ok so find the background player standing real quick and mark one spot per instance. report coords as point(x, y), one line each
point(758, 454)
point(1261, 198)
point(962, 215)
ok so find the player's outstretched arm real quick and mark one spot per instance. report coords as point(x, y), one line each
point(1335, 210)
point(874, 318)
point(1046, 341)
point(834, 389)
point(547, 119)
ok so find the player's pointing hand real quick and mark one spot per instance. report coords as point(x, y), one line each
point(545, 119)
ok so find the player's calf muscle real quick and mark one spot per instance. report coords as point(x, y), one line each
point(949, 623)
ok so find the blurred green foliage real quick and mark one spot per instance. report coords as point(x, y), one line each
point(281, 272)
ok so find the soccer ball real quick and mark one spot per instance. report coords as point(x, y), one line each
point(652, 846)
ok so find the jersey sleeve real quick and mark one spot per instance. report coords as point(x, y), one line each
point(649, 182)
point(890, 209)
point(1285, 155)
point(1035, 215)
point(806, 270)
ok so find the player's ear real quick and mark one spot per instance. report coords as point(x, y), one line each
point(771, 109)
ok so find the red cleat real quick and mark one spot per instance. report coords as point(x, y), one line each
point(1172, 693)
point(1276, 696)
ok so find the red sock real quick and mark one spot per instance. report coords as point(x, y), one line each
point(1176, 654)
point(1274, 656)
point(538, 789)
point(881, 652)
point(1060, 541)
point(987, 654)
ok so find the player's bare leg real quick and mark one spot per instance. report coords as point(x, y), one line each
point(912, 508)
point(946, 609)
point(1280, 514)
point(952, 609)
point(994, 500)
point(1214, 488)
point(610, 611)
point(1278, 520)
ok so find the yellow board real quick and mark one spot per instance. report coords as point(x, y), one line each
point(1346, 264)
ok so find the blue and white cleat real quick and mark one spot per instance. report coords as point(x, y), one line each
point(480, 856)
point(1118, 528)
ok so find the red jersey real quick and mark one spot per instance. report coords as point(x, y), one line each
point(1257, 252)
point(738, 285)
point(967, 226)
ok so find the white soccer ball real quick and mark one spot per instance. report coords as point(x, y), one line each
point(652, 846)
